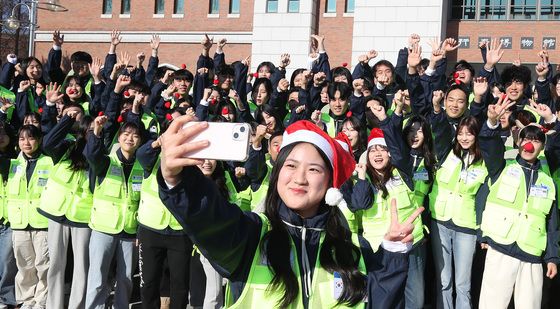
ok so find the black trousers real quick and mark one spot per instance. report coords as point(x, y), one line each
point(154, 249)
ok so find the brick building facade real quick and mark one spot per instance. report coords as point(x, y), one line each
point(267, 28)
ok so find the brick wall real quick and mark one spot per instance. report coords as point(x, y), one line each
point(514, 29)
point(338, 31)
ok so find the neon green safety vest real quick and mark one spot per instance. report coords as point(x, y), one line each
point(149, 118)
point(454, 190)
point(3, 199)
point(23, 198)
point(422, 184)
point(325, 290)
point(249, 200)
point(151, 212)
point(67, 193)
point(115, 203)
point(556, 178)
point(377, 219)
point(510, 216)
point(7, 94)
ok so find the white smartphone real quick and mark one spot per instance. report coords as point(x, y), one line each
point(228, 141)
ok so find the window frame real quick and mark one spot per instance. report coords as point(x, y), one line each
point(347, 8)
point(123, 12)
point(268, 2)
point(107, 7)
point(231, 2)
point(175, 6)
point(553, 10)
point(156, 7)
point(328, 9)
point(290, 6)
point(211, 7)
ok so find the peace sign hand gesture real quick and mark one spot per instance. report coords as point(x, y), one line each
point(401, 231)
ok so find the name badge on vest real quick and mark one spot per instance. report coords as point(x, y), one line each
point(337, 285)
point(41, 182)
point(421, 176)
point(539, 191)
point(514, 173)
point(136, 183)
point(115, 171)
point(42, 172)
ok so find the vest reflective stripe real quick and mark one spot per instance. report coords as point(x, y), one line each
point(251, 198)
point(324, 285)
point(115, 203)
point(147, 119)
point(7, 94)
point(22, 198)
point(377, 219)
point(454, 190)
point(67, 194)
point(151, 211)
point(231, 189)
point(422, 184)
point(510, 216)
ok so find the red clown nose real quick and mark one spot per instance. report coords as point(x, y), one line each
point(225, 111)
point(256, 75)
point(168, 117)
point(71, 91)
point(100, 114)
point(126, 93)
point(529, 147)
point(183, 66)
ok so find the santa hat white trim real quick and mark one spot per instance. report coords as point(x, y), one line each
point(377, 141)
point(309, 137)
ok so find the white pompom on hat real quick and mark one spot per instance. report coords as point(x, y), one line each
point(341, 160)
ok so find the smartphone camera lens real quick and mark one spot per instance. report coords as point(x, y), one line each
point(242, 129)
point(235, 135)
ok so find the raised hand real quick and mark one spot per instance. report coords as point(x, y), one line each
point(95, 68)
point(413, 39)
point(493, 54)
point(124, 59)
point(207, 42)
point(284, 60)
point(320, 42)
point(58, 39)
point(449, 45)
point(122, 82)
point(175, 148)
point(517, 61)
point(115, 40)
point(371, 54)
point(98, 124)
point(283, 85)
point(480, 86)
point(5, 104)
point(414, 56)
point(53, 93)
point(401, 231)
point(39, 89)
point(437, 97)
point(24, 85)
point(379, 112)
point(542, 110)
point(495, 111)
point(319, 78)
point(316, 118)
point(140, 57)
point(155, 41)
point(542, 70)
point(360, 171)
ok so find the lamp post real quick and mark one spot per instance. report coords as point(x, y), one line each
point(13, 23)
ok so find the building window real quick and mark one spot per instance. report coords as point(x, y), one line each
point(107, 6)
point(493, 9)
point(463, 9)
point(523, 9)
point(234, 6)
point(349, 6)
point(331, 6)
point(179, 7)
point(160, 7)
point(125, 6)
point(550, 9)
point(272, 6)
point(214, 6)
point(293, 6)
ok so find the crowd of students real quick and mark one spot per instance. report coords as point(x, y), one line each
point(340, 167)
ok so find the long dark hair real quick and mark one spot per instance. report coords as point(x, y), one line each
point(362, 133)
point(473, 126)
point(267, 86)
point(77, 160)
point(271, 111)
point(379, 179)
point(337, 253)
point(76, 79)
point(419, 122)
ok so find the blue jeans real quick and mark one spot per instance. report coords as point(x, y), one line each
point(102, 249)
point(414, 290)
point(450, 246)
point(8, 267)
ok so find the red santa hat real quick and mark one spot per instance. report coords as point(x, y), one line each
point(341, 160)
point(376, 137)
point(343, 140)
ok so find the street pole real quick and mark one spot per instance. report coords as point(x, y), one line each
point(32, 25)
